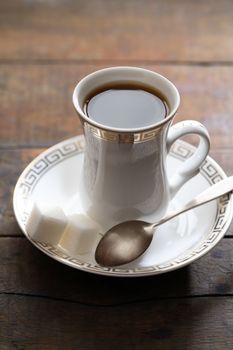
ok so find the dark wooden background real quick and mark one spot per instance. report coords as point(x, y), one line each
point(45, 48)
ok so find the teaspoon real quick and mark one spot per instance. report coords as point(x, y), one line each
point(128, 240)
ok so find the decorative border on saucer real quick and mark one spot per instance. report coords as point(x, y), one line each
point(180, 149)
point(46, 161)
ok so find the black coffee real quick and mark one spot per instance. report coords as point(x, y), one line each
point(126, 106)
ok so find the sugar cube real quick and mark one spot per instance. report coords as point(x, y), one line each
point(46, 223)
point(81, 235)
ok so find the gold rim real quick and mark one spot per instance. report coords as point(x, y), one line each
point(35, 171)
point(123, 70)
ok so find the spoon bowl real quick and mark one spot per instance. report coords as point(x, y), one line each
point(123, 242)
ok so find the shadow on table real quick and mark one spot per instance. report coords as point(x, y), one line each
point(53, 279)
point(91, 311)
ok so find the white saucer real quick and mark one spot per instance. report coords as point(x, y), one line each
point(54, 175)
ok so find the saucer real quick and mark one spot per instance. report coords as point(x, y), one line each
point(54, 176)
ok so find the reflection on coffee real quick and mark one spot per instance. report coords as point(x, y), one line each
point(126, 105)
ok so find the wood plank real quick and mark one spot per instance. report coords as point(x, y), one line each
point(193, 324)
point(14, 161)
point(36, 107)
point(25, 270)
point(106, 29)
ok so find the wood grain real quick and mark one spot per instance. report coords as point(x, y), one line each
point(189, 324)
point(27, 271)
point(12, 164)
point(14, 161)
point(36, 107)
point(46, 48)
point(106, 29)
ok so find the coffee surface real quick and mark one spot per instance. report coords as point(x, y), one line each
point(127, 106)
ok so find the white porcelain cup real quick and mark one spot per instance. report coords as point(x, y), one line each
point(124, 173)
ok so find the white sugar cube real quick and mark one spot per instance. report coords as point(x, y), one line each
point(81, 235)
point(46, 223)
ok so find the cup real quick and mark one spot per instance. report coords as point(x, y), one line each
point(124, 175)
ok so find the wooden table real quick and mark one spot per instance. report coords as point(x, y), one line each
point(45, 48)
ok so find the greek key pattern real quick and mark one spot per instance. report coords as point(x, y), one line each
point(43, 163)
point(179, 150)
point(183, 151)
point(122, 137)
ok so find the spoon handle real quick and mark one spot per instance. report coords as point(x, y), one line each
point(217, 190)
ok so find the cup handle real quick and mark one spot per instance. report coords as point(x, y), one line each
point(191, 166)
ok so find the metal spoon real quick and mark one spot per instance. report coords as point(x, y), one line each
point(128, 240)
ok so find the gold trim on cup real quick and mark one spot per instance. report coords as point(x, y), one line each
point(129, 74)
point(123, 137)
